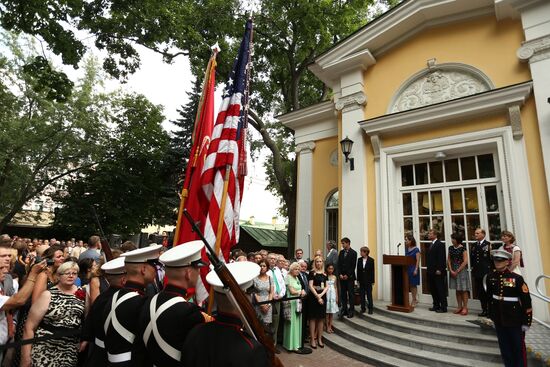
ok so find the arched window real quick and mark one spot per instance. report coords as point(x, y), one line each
point(331, 217)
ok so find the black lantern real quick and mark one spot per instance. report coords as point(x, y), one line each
point(346, 145)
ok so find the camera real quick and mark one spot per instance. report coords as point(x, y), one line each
point(49, 262)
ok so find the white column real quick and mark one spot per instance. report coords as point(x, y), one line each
point(303, 197)
point(353, 197)
point(536, 51)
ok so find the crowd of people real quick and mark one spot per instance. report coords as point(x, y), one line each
point(138, 309)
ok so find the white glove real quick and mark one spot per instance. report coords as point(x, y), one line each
point(524, 328)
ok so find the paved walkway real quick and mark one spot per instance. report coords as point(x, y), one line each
point(537, 341)
point(321, 357)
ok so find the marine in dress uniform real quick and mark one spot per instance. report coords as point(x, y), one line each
point(167, 318)
point(124, 309)
point(509, 308)
point(482, 265)
point(223, 342)
point(93, 331)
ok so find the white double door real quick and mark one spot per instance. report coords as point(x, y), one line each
point(451, 209)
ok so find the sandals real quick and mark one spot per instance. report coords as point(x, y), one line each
point(458, 311)
point(464, 312)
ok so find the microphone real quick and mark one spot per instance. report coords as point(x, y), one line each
point(399, 244)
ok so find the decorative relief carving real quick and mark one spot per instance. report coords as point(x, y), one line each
point(307, 147)
point(351, 102)
point(534, 50)
point(439, 84)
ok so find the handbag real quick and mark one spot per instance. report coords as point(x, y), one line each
point(298, 306)
point(287, 310)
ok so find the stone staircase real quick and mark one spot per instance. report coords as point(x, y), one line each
point(420, 338)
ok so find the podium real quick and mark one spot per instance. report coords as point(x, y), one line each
point(399, 282)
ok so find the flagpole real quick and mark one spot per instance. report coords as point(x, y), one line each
point(193, 160)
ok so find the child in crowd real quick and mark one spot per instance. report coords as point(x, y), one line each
point(332, 297)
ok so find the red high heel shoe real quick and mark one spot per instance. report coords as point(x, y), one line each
point(458, 311)
point(464, 312)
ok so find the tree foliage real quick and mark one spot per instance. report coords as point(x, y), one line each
point(43, 139)
point(131, 188)
point(289, 35)
point(169, 27)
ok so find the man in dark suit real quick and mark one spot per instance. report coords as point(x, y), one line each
point(480, 259)
point(346, 270)
point(305, 286)
point(436, 273)
point(365, 277)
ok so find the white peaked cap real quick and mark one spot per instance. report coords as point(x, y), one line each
point(141, 255)
point(186, 254)
point(244, 273)
point(501, 254)
point(114, 267)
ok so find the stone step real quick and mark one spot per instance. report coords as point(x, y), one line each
point(421, 316)
point(436, 340)
point(365, 355)
point(471, 337)
point(371, 343)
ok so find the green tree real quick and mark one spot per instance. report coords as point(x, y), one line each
point(131, 188)
point(289, 36)
point(168, 27)
point(180, 141)
point(44, 138)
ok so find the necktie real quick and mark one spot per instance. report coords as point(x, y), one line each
point(277, 289)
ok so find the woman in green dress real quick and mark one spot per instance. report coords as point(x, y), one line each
point(292, 340)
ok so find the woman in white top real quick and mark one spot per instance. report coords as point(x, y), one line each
point(509, 244)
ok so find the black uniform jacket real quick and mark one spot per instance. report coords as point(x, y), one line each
point(222, 343)
point(509, 299)
point(365, 274)
point(173, 324)
point(435, 258)
point(346, 263)
point(480, 259)
point(93, 328)
point(127, 314)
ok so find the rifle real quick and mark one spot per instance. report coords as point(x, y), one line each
point(242, 302)
point(104, 243)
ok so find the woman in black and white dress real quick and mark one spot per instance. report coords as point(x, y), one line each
point(59, 309)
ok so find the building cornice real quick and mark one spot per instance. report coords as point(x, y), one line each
point(305, 116)
point(360, 49)
point(512, 8)
point(507, 100)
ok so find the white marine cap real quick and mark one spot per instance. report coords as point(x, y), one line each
point(243, 271)
point(142, 255)
point(501, 254)
point(114, 267)
point(186, 254)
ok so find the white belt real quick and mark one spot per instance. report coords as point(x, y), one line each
point(119, 358)
point(99, 343)
point(507, 299)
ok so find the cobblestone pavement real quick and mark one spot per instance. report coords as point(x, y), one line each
point(537, 341)
point(321, 357)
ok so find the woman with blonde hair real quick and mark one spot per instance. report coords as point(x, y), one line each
point(292, 338)
point(59, 309)
point(317, 307)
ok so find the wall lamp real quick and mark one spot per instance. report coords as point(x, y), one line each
point(346, 145)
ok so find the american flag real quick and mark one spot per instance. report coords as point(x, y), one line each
point(225, 165)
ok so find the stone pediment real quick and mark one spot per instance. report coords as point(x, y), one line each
point(439, 83)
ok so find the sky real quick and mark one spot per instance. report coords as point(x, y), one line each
point(168, 85)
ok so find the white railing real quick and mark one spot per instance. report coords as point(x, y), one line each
point(540, 295)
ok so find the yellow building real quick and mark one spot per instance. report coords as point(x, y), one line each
point(446, 103)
